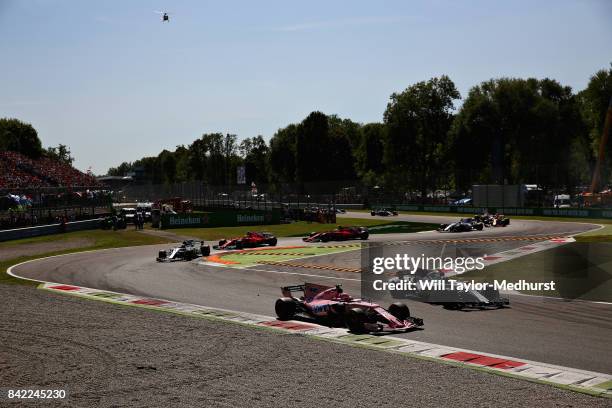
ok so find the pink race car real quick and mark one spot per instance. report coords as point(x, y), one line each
point(338, 308)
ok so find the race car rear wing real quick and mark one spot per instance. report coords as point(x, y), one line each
point(287, 290)
point(309, 289)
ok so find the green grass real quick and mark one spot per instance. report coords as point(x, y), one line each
point(394, 227)
point(101, 238)
point(299, 229)
point(580, 270)
point(280, 254)
point(601, 235)
point(518, 217)
point(97, 239)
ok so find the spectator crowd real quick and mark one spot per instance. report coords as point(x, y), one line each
point(20, 172)
point(42, 191)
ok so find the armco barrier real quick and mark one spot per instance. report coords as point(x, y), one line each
point(29, 232)
point(543, 212)
point(221, 218)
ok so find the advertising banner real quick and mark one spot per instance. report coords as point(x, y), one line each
point(227, 218)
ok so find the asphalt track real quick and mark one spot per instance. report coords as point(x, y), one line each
point(574, 334)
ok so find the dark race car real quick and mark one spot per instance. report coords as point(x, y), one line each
point(336, 308)
point(496, 220)
point(339, 234)
point(187, 251)
point(113, 222)
point(463, 225)
point(250, 240)
point(383, 212)
point(434, 288)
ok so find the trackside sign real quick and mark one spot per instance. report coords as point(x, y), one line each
point(244, 219)
point(186, 221)
point(221, 218)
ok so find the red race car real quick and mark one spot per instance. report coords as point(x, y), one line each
point(339, 234)
point(340, 309)
point(250, 240)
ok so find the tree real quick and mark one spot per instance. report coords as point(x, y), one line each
point(231, 158)
point(167, 164)
point(512, 130)
point(369, 153)
point(255, 154)
point(121, 170)
point(20, 137)
point(319, 149)
point(197, 158)
point(183, 172)
point(312, 158)
point(151, 169)
point(213, 158)
point(282, 155)
point(594, 103)
point(417, 122)
point(60, 153)
point(344, 140)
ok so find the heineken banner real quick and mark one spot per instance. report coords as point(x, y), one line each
point(222, 218)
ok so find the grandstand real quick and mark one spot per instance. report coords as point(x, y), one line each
point(20, 172)
point(45, 191)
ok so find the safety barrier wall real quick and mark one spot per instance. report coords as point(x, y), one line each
point(29, 232)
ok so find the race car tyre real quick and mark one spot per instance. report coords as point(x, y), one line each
point(478, 227)
point(190, 255)
point(372, 213)
point(239, 245)
point(285, 308)
point(364, 236)
point(399, 310)
point(273, 242)
point(223, 241)
point(355, 320)
point(205, 250)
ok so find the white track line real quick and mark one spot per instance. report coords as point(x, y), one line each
point(564, 377)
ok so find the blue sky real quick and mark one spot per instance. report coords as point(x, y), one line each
point(114, 83)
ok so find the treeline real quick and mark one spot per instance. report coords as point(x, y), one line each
point(507, 130)
point(21, 137)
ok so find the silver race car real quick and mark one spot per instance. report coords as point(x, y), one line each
point(434, 288)
point(187, 251)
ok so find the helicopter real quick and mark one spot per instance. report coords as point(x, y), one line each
point(165, 15)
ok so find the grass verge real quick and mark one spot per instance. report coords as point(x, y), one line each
point(92, 240)
point(518, 217)
point(601, 235)
point(303, 228)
